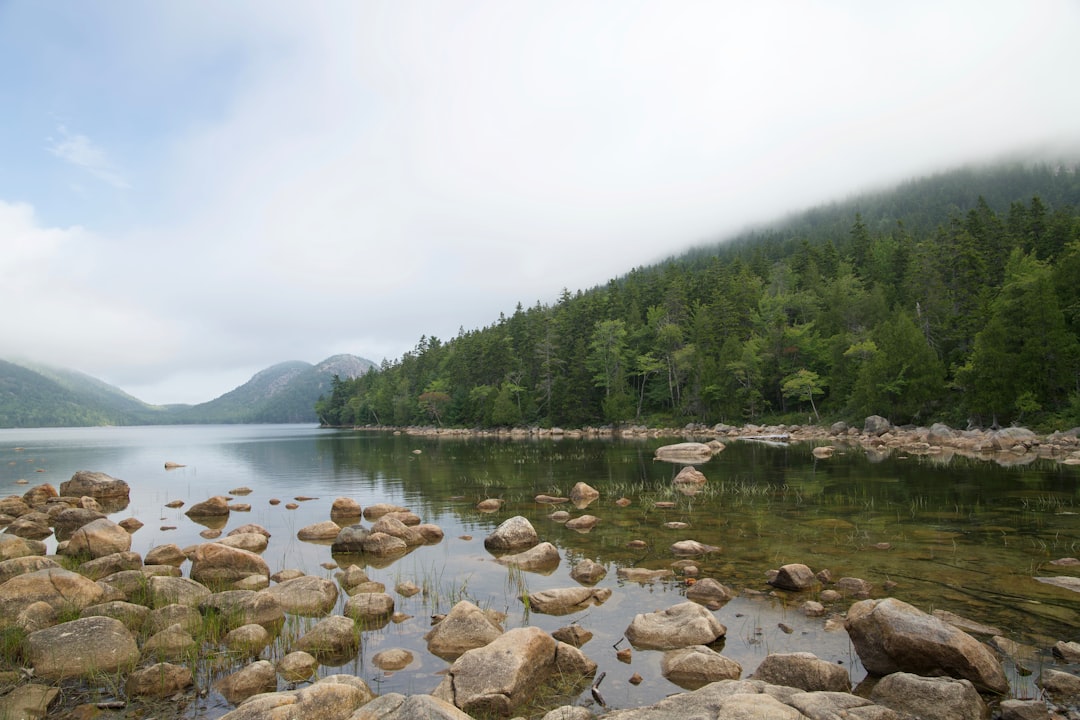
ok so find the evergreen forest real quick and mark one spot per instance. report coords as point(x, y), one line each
point(953, 298)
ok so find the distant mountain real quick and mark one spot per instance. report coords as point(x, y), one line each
point(35, 395)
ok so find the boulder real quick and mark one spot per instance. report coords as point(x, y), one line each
point(325, 531)
point(696, 666)
point(710, 593)
point(63, 590)
point(502, 675)
point(97, 538)
point(186, 616)
point(392, 659)
point(252, 542)
point(395, 706)
point(332, 639)
point(350, 540)
point(376, 511)
point(217, 506)
point(940, 434)
point(214, 564)
point(676, 627)
point(684, 452)
point(108, 564)
point(164, 590)
point(794, 576)
point(381, 545)
point(82, 648)
point(133, 616)
point(892, 636)
point(297, 666)
point(542, 558)
point(258, 677)
point(172, 643)
point(337, 697)
point(25, 564)
point(169, 554)
point(930, 698)
point(370, 609)
point(250, 639)
point(513, 535)
point(803, 670)
point(13, 546)
point(574, 635)
point(71, 519)
point(464, 628)
point(345, 507)
point(1060, 686)
point(690, 475)
point(94, 484)
point(689, 548)
point(32, 526)
point(875, 425)
point(563, 601)
point(308, 595)
point(160, 681)
point(583, 494)
point(28, 702)
point(244, 607)
point(588, 572)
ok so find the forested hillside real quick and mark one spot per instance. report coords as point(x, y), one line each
point(952, 298)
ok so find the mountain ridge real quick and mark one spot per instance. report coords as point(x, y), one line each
point(34, 394)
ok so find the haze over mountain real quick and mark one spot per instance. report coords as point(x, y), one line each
point(36, 395)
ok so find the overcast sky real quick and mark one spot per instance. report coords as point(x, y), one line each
point(193, 191)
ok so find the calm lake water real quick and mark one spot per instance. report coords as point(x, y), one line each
point(965, 535)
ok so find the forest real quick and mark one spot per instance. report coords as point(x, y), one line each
point(953, 298)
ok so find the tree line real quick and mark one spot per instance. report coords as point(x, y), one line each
point(954, 298)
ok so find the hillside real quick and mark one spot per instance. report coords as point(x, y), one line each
point(35, 395)
point(954, 297)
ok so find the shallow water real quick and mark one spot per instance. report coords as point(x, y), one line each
point(965, 535)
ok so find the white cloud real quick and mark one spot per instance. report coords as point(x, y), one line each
point(80, 151)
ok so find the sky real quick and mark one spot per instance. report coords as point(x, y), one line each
point(193, 191)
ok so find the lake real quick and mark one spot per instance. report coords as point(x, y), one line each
point(963, 535)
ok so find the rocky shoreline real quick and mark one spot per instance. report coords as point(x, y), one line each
point(1007, 446)
point(98, 613)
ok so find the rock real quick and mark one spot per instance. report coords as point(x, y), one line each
point(376, 511)
point(28, 702)
point(32, 528)
point(823, 452)
point(370, 610)
point(97, 538)
point(331, 639)
point(794, 576)
point(297, 666)
point(169, 554)
point(588, 572)
point(71, 519)
point(250, 639)
point(392, 659)
point(337, 697)
point(710, 593)
point(406, 588)
point(169, 590)
point(574, 635)
point(63, 590)
point(172, 643)
point(696, 666)
point(243, 607)
point(684, 452)
point(502, 675)
point(690, 475)
point(345, 507)
point(1060, 686)
point(489, 505)
point(351, 577)
point(965, 624)
point(1023, 710)
point(133, 616)
point(307, 595)
point(583, 495)
point(25, 564)
point(258, 677)
point(130, 524)
point(1067, 651)
point(94, 484)
point(326, 531)
point(252, 542)
point(932, 698)
point(217, 506)
point(108, 564)
point(513, 535)
point(563, 601)
point(940, 434)
point(395, 706)
point(688, 548)
point(465, 627)
point(12, 546)
point(160, 680)
point(1011, 437)
point(583, 523)
point(186, 616)
point(892, 636)
point(550, 499)
point(350, 540)
point(81, 648)
point(876, 425)
point(643, 575)
point(542, 558)
point(679, 626)
point(214, 564)
point(37, 615)
point(803, 670)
